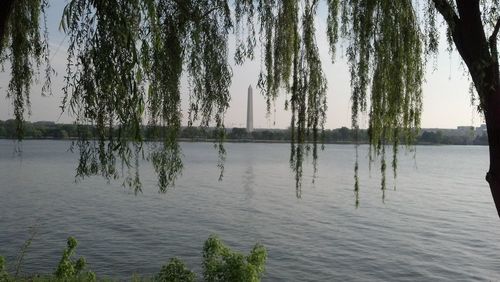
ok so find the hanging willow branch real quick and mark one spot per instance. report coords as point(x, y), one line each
point(384, 52)
point(25, 46)
point(126, 59)
point(125, 62)
point(291, 64)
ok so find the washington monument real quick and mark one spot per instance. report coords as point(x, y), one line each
point(250, 110)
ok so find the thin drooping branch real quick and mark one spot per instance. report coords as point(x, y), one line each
point(5, 10)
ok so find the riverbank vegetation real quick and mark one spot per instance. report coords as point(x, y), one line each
point(343, 135)
point(220, 263)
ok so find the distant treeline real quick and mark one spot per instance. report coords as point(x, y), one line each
point(51, 130)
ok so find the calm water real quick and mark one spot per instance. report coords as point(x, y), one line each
point(439, 223)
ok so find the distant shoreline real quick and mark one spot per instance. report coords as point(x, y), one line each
point(44, 130)
point(190, 140)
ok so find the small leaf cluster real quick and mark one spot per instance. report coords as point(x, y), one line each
point(3, 272)
point(68, 268)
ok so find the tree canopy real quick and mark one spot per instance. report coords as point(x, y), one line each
point(126, 59)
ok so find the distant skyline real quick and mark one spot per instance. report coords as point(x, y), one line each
point(446, 97)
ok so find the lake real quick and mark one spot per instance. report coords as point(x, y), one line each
point(437, 221)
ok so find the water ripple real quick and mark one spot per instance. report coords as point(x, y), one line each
point(439, 224)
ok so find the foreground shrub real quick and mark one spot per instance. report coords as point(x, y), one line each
point(175, 271)
point(222, 264)
point(3, 273)
point(67, 268)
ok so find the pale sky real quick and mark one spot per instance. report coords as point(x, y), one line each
point(446, 91)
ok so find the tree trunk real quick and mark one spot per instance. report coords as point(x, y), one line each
point(492, 116)
point(480, 55)
point(5, 9)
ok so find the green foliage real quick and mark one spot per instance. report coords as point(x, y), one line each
point(67, 268)
point(24, 249)
point(3, 271)
point(222, 264)
point(219, 264)
point(384, 52)
point(291, 63)
point(125, 62)
point(126, 59)
point(25, 47)
point(175, 271)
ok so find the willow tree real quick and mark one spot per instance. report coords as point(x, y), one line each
point(126, 59)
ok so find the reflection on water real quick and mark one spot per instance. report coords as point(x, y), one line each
point(440, 224)
point(248, 182)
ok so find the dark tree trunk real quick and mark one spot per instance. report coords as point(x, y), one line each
point(492, 115)
point(481, 57)
point(5, 9)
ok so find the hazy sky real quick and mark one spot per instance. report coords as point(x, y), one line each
point(446, 91)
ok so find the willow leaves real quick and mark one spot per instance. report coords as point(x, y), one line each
point(291, 64)
point(385, 56)
point(24, 46)
point(126, 59)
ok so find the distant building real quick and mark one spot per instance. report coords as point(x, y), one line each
point(465, 129)
point(478, 131)
point(481, 130)
point(250, 109)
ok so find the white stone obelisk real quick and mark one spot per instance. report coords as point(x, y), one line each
point(250, 109)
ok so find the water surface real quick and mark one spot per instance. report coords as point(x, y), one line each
point(439, 224)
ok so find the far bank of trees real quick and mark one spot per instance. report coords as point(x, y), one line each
point(52, 130)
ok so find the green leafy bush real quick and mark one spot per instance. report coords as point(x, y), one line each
point(175, 271)
point(222, 264)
